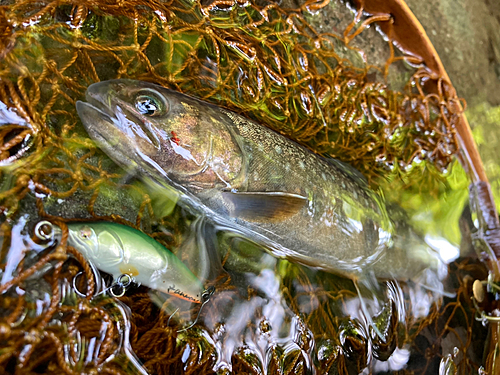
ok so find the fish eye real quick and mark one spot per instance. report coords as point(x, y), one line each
point(85, 233)
point(149, 103)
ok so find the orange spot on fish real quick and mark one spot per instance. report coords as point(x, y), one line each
point(128, 269)
point(174, 138)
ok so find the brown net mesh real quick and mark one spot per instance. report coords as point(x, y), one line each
point(267, 62)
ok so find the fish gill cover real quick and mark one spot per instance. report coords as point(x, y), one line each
point(305, 70)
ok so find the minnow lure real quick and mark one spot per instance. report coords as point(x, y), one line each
point(121, 250)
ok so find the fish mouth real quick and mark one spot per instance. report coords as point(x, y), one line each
point(91, 109)
point(99, 123)
point(98, 97)
point(103, 106)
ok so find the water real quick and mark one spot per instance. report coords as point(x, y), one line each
point(267, 315)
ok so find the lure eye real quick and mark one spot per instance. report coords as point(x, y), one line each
point(149, 103)
point(86, 233)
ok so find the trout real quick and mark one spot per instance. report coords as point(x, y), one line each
point(252, 180)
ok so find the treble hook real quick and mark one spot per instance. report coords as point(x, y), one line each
point(123, 282)
point(170, 317)
point(119, 283)
point(75, 288)
point(205, 297)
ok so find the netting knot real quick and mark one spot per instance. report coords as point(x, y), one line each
point(60, 253)
point(4, 331)
point(23, 180)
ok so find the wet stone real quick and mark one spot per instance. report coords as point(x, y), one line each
point(327, 354)
point(386, 322)
point(246, 358)
point(354, 344)
point(295, 363)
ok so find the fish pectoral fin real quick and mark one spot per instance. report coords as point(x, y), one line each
point(263, 206)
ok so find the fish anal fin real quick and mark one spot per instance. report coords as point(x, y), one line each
point(263, 206)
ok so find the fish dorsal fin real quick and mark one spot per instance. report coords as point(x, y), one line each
point(263, 206)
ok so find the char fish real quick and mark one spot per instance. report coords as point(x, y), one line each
point(252, 180)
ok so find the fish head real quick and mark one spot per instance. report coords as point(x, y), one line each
point(99, 243)
point(84, 239)
point(147, 126)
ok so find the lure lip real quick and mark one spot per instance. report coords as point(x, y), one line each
point(179, 294)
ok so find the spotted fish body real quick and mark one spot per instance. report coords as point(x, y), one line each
point(118, 249)
point(252, 180)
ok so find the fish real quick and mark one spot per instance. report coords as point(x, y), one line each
point(119, 249)
point(249, 179)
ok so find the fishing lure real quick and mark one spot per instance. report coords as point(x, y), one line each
point(124, 251)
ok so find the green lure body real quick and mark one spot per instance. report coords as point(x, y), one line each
point(118, 249)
